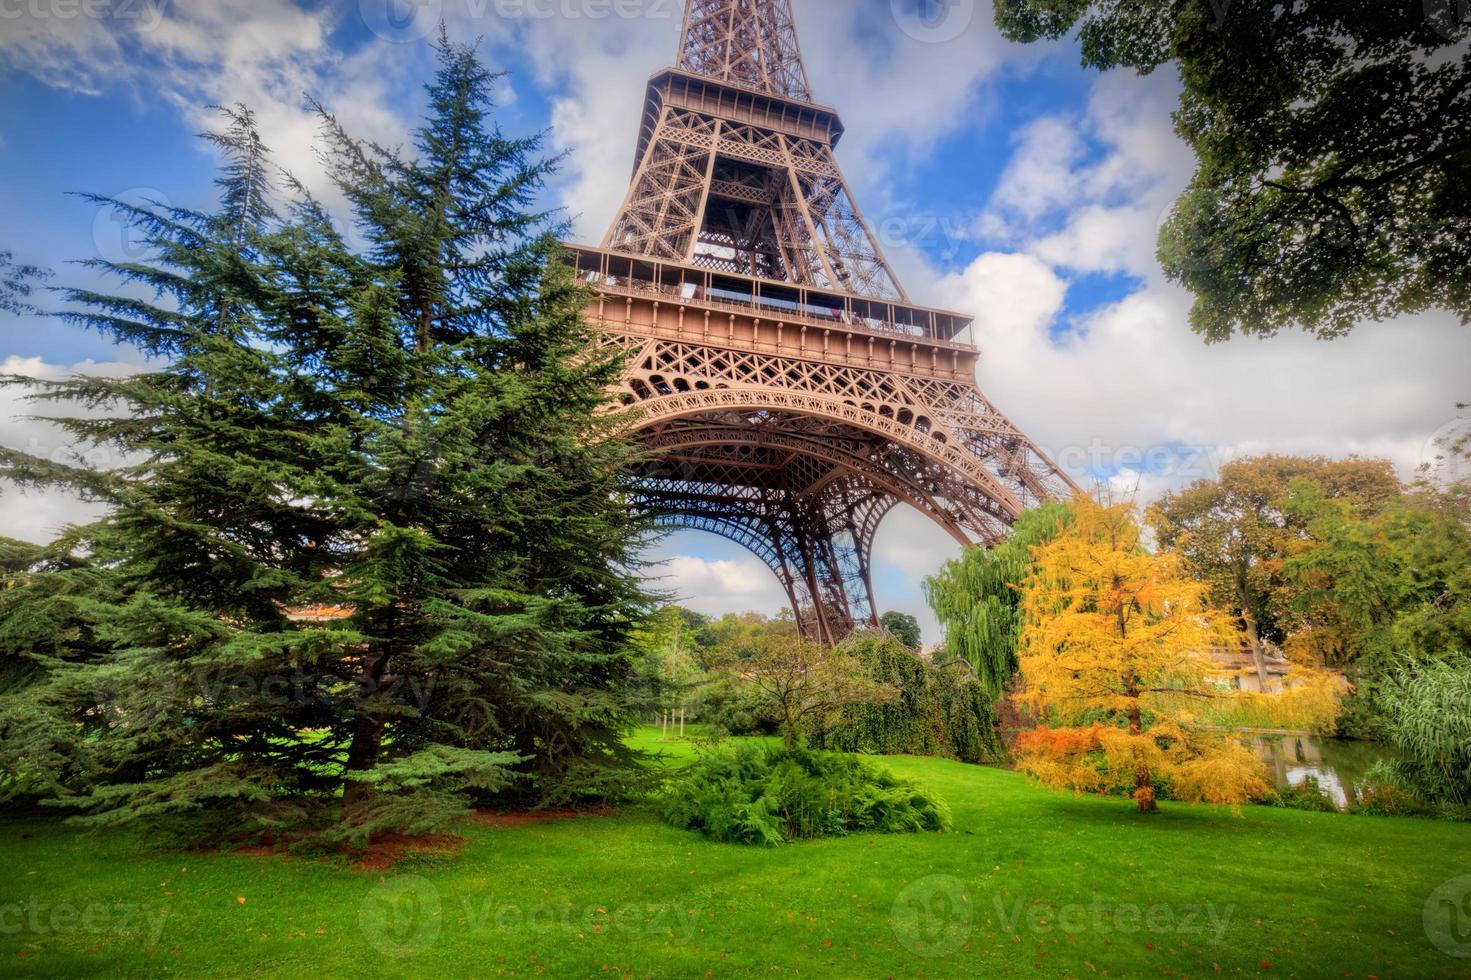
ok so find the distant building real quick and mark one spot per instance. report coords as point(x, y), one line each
point(317, 614)
point(1237, 663)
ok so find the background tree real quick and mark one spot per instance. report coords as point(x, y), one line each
point(1235, 533)
point(939, 711)
point(1115, 658)
point(1334, 151)
point(48, 595)
point(1428, 709)
point(1380, 594)
point(977, 597)
point(406, 437)
point(903, 627)
point(17, 280)
point(670, 641)
point(802, 683)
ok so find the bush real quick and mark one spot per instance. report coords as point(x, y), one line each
point(735, 709)
point(940, 711)
point(1383, 796)
point(752, 794)
point(1428, 714)
point(1307, 796)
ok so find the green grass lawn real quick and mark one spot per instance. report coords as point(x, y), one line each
point(1029, 883)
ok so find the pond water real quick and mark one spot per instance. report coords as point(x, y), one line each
point(1337, 764)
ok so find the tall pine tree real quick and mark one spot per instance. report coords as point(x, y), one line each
point(367, 560)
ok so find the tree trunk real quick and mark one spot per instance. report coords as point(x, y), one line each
point(1143, 784)
point(1253, 637)
point(367, 739)
point(681, 722)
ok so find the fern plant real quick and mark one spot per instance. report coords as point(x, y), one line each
point(751, 794)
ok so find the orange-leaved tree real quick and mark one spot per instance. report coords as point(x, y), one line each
point(1115, 657)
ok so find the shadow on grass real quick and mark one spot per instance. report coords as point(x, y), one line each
point(1120, 813)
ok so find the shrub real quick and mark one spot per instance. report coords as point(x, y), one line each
point(1309, 795)
point(1428, 714)
point(940, 711)
point(752, 794)
point(1383, 796)
point(735, 709)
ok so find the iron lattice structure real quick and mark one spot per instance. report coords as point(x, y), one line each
point(788, 392)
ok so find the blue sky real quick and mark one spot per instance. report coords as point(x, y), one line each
point(1003, 180)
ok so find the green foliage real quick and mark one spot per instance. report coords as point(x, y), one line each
point(17, 280)
point(736, 708)
point(1333, 184)
point(976, 597)
point(668, 642)
point(1237, 536)
point(1428, 709)
point(1307, 795)
point(1376, 591)
point(406, 436)
point(630, 873)
point(804, 685)
point(751, 794)
point(904, 627)
point(940, 711)
point(1383, 795)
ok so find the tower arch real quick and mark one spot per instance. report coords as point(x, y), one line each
point(786, 391)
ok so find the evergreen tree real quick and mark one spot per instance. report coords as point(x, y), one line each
point(367, 557)
point(17, 280)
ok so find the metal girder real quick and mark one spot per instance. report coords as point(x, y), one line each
point(751, 43)
point(796, 451)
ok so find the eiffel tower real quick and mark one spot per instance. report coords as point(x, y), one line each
point(788, 392)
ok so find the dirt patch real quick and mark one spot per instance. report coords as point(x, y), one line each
point(386, 850)
point(528, 818)
point(383, 853)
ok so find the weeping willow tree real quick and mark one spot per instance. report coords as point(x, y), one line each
point(939, 711)
point(1429, 714)
point(976, 596)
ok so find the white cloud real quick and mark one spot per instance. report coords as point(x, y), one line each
point(266, 54)
point(37, 515)
point(1130, 382)
point(908, 548)
point(713, 585)
point(1088, 194)
point(1041, 176)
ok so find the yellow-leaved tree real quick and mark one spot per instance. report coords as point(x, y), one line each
point(1116, 662)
